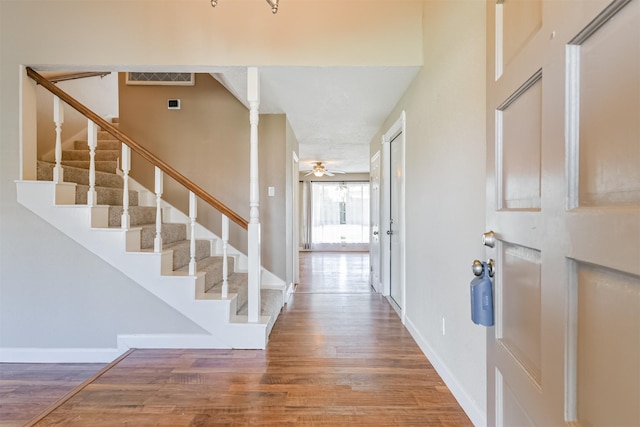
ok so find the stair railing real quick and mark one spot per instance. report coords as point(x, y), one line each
point(94, 121)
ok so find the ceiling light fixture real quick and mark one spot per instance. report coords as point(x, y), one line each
point(272, 3)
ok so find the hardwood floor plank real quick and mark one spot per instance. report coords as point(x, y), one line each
point(332, 359)
point(27, 389)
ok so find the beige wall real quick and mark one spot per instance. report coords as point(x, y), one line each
point(445, 190)
point(207, 140)
point(100, 94)
point(179, 33)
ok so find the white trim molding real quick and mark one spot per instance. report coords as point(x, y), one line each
point(476, 414)
point(59, 355)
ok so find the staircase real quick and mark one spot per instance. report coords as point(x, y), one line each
point(198, 296)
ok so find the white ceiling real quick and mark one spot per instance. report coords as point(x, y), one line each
point(335, 112)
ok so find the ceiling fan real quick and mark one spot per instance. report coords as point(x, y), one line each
point(319, 170)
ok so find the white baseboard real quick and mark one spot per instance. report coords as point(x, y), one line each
point(107, 355)
point(165, 341)
point(477, 415)
point(59, 355)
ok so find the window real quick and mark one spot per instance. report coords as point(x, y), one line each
point(340, 215)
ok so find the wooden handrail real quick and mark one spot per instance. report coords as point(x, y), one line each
point(142, 151)
point(74, 76)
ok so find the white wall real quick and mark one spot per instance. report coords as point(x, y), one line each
point(445, 194)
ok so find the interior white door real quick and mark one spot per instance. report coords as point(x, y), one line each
point(374, 245)
point(295, 232)
point(395, 221)
point(563, 196)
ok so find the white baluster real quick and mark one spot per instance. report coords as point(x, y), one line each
point(193, 213)
point(125, 221)
point(225, 267)
point(253, 250)
point(58, 118)
point(157, 242)
point(92, 141)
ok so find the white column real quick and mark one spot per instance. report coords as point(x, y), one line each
point(225, 268)
point(58, 118)
point(92, 141)
point(193, 213)
point(253, 96)
point(157, 242)
point(125, 221)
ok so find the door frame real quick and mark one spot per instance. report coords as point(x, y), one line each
point(374, 195)
point(293, 228)
point(397, 129)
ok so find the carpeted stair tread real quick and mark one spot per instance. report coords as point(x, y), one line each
point(103, 165)
point(138, 215)
point(100, 155)
point(171, 232)
point(79, 175)
point(212, 266)
point(237, 283)
point(103, 144)
point(182, 251)
point(270, 305)
point(106, 196)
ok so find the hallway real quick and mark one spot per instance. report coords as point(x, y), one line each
point(334, 272)
point(334, 358)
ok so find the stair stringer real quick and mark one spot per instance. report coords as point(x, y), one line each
point(54, 203)
point(268, 280)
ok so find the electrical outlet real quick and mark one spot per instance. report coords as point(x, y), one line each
point(443, 327)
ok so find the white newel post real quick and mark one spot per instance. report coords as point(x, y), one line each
point(225, 267)
point(58, 118)
point(126, 166)
point(193, 213)
point(92, 141)
point(157, 242)
point(253, 96)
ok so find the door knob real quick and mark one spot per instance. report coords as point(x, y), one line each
point(375, 233)
point(489, 239)
point(389, 232)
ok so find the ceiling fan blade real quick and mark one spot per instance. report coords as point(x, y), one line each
point(335, 171)
point(308, 173)
point(328, 173)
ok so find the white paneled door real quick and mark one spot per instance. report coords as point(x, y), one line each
point(563, 197)
point(395, 221)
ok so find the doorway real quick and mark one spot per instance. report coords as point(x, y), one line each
point(335, 231)
point(334, 273)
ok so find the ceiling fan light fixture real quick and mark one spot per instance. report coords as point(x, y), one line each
point(274, 5)
point(318, 172)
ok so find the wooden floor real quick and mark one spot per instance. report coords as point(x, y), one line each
point(333, 359)
point(334, 272)
point(27, 389)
